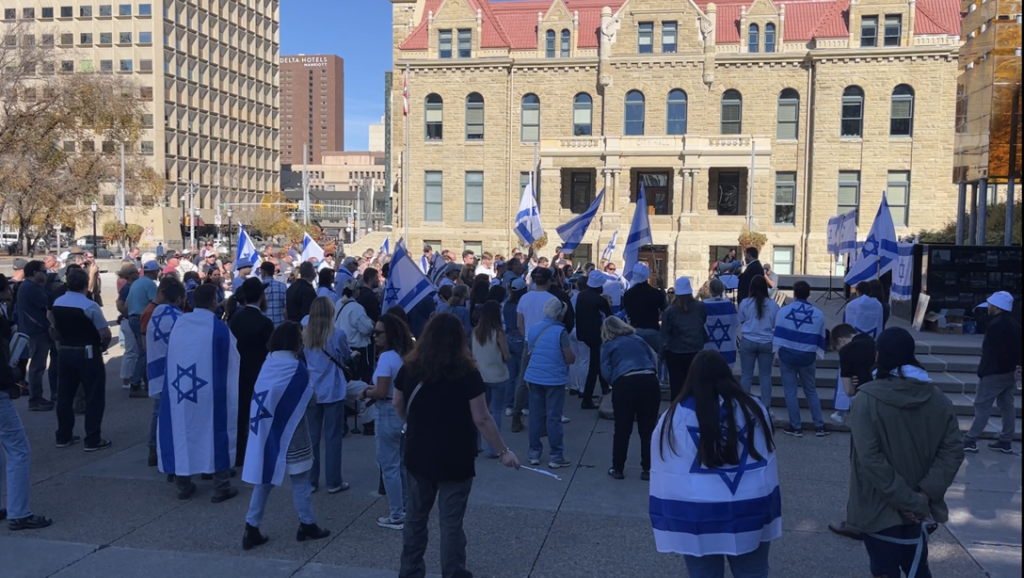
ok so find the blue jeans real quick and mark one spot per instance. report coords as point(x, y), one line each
point(326, 420)
point(793, 377)
point(888, 559)
point(763, 355)
point(40, 348)
point(515, 350)
point(547, 402)
point(133, 353)
point(751, 565)
point(139, 373)
point(389, 457)
point(496, 396)
point(18, 455)
point(153, 420)
point(301, 496)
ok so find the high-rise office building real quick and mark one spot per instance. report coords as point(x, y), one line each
point(312, 107)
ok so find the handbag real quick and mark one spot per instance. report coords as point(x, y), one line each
point(344, 368)
point(527, 354)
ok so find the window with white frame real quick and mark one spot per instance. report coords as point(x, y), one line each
point(898, 194)
point(782, 260)
point(645, 38)
point(433, 196)
point(849, 192)
point(901, 121)
point(789, 115)
point(669, 37)
point(474, 210)
point(785, 198)
point(530, 119)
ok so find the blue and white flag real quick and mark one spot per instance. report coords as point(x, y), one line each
point(842, 234)
point(700, 511)
point(279, 401)
point(639, 234)
point(722, 326)
point(437, 268)
point(246, 251)
point(865, 314)
point(800, 327)
point(572, 232)
point(880, 251)
point(406, 284)
point(198, 420)
point(610, 249)
point(385, 247)
point(311, 250)
point(158, 336)
point(528, 227)
point(903, 274)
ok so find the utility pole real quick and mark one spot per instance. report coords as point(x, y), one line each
point(219, 198)
point(192, 214)
point(122, 201)
point(305, 184)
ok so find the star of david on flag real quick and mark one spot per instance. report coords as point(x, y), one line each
point(722, 327)
point(731, 476)
point(197, 383)
point(157, 322)
point(880, 251)
point(259, 411)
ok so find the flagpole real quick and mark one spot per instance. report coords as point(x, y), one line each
point(405, 160)
point(533, 180)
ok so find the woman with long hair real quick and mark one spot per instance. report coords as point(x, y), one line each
point(327, 353)
point(490, 350)
point(393, 340)
point(517, 288)
point(714, 478)
point(682, 333)
point(458, 306)
point(352, 318)
point(468, 275)
point(441, 396)
point(630, 365)
point(477, 296)
point(547, 375)
point(757, 320)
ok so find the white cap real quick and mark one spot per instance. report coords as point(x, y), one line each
point(683, 286)
point(1001, 300)
point(595, 279)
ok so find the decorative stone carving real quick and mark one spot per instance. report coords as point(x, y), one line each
point(706, 28)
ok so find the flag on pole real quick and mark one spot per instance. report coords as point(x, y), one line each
point(385, 247)
point(607, 255)
point(573, 231)
point(903, 274)
point(246, 251)
point(405, 93)
point(437, 269)
point(842, 234)
point(406, 285)
point(311, 249)
point(880, 251)
point(639, 234)
point(528, 227)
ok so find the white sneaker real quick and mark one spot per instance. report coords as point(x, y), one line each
point(526, 412)
point(565, 419)
point(508, 412)
point(837, 417)
point(126, 386)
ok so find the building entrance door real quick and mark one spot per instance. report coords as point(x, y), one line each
point(656, 257)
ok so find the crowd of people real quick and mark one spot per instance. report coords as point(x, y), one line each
point(256, 372)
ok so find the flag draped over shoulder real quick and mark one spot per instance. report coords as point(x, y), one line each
point(880, 250)
point(572, 232)
point(903, 274)
point(158, 336)
point(722, 327)
point(800, 326)
point(865, 314)
point(406, 285)
point(197, 425)
point(279, 401)
point(701, 511)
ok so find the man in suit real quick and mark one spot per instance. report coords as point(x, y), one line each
point(754, 269)
point(252, 330)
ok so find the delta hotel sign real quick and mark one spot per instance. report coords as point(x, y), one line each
point(307, 61)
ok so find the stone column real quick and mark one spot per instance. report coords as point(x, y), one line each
point(609, 198)
point(982, 211)
point(972, 232)
point(679, 192)
point(961, 209)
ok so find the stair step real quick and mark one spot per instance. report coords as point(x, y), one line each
point(828, 378)
point(963, 404)
point(991, 430)
point(931, 363)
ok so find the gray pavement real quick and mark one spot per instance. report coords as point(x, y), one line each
point(116, 517)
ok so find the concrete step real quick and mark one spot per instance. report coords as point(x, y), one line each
point(828, 378)
point(948, 363)
point(963, 404)
point(991, 429)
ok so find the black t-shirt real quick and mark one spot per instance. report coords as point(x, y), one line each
point(857, 359)
point(440, 442)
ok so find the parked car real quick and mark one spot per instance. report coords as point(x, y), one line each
point(91, 241)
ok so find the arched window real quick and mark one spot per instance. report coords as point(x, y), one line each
point(753, 38)
point(582, 115)
point(566, 44)
point(901, 121)
point(676, 112)
point(434, 117)
point(769, 37)
point(732, 112)
point(634, 124)
point(789, 115)
point(549, 45)
point(853, 112)
point(474, 117)
point(530, 119)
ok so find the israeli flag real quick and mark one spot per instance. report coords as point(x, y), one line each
point(880, 251)
point(406, 284)
point(700, 511)
point(437, 269)
point(158, 336)
point(722, 327)
point(385, 247)
point(800, 326)
point(639, 235)
point(572, 232)
point(311, 249)
point(607, 254)
point(842, 234)
point(865, 314)
point(528, 227)
point(903, 274)
point(198, 419)
point(246, 249)
point(279, 401)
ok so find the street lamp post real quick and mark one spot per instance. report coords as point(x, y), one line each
point(231, 214)
point(95, 243)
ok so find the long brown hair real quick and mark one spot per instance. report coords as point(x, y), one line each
point(682, 303)
point(489, 323)
point(441, 353)
point(396, 330)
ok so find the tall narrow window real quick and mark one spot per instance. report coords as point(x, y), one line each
point(868, 31)
point(898, 194)
point(433, 196)
point(893, 30)
point(753, 38)
point(677, 103)
point(582, 115)
point(465, 43)
point(434, 117)
point(530, 118)
point(901, 121)
point(645, 38)
point(444, 43)
point(853, 113)
point(849, 192)
point(782, 260)
point(669, 37)
point(732, 112)
point(789, 115)
point(785, 198)
point(769, 37)
point(549, 44)
point(634, 119)
point(474, 211)
point(565, 47)
point(474, 117)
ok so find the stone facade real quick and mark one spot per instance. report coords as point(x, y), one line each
point(815, 56)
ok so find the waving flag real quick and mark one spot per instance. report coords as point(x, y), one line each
point(722, 327)
point(573, 231)
point(198, 420)
point(903, 274)
point(607, 254)
point(528, 227)
point(158, 336)
point(437, 268)
point(279, 402)
point(800, 326)
point(385, 247)
point(311, 249)
point(697, 510)
point(406, 284)
point(639, 234)
point(880, 251)
point(842, 234)
point(246, 249)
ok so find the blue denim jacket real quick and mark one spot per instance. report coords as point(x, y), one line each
point(626, 354)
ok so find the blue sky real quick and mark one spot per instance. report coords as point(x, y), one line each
point(358, 31)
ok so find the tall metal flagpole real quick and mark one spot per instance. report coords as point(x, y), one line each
point(405, 157)
point(121, 193)
point(535, 170)
point(305, 184)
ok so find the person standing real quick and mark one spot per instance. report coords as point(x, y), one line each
point(906, 453)
point(275, 293)
point(327, 354)
point(644, 305)
point(799, 342)
point(170, 302)
point(714, 477)
point(682, 333)
point(141, 294)
point(515, 339)
point(301, 294)
point(630, 365)
point(548, 356)
point(591, 310)
point(999, 373)
point(133, 352)
point(367, 294)
point(84, 336)
point(160, 252)
point(31, 311)
point(325, 284)
point(723, 323)
point(529, 313)
point(490, 350)
point(753, 271)
point(441, 396)
point(757, 316)
point(353, 320)
point(252, 331)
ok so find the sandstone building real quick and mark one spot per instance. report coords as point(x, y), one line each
point(785, 113)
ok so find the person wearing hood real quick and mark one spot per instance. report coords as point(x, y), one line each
point(906, 453)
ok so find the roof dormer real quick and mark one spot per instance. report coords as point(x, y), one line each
point(761, 27)
point(557, 31)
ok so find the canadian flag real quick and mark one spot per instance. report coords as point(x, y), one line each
point(405, 94)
